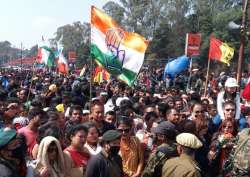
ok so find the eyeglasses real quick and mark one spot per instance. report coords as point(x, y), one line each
point(52, 149)
point(230, 110)
point(123, 130)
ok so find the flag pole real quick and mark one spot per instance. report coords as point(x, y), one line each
point(242, 40)
point(206, 83)
point(91, 80)
point(190, 73)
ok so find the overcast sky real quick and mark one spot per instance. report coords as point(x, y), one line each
point(27, 21)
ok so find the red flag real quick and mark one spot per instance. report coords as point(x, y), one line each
point(246, 92)
point(220, 51)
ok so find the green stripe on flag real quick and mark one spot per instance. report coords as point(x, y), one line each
point(113, 65)
point(51, 58)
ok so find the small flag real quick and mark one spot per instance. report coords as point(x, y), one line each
point(62, 63)
point(45, 54)
point(100, 75)
point(121, 53)
point(220, 51)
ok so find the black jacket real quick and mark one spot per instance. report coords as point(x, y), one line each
point(102, 165)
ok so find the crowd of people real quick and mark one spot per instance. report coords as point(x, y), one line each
point(52, 126)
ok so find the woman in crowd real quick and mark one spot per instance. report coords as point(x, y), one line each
point(76, 156)
point(221, 145)
point(130, 149)
point(92, 141)
point(50, 159)
point(46, 130)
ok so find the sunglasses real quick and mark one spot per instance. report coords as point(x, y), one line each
point(230, 110)
point(123, 130)
point(52, 149)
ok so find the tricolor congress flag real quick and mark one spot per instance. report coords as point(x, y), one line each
point(45, 54)
point(121, 53)
point(220, 51)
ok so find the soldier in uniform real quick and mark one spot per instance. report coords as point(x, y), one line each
point(166, 133)
point(184, 165)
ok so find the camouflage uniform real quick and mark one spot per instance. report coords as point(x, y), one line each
point(157, 160)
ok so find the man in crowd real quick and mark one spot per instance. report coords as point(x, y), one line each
point(184, 165)
point(107, 163)
point(75, 113)
point(97, 117)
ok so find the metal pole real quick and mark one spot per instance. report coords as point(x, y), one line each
point(242, 41)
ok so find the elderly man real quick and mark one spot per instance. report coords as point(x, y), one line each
point(185, 165)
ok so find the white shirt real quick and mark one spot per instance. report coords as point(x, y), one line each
point(93, 151)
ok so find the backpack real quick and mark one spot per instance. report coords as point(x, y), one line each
point(241, 157)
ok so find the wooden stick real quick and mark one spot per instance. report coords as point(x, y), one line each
point(208, 68)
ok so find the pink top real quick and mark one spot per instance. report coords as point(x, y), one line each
point(30, 137)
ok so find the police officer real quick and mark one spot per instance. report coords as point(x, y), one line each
point(184, 165)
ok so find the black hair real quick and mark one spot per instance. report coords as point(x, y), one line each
point(193, 104)
point(48, 130)
point(53, 116)
point(162, 108)
point(76, 128)
point(36, 103)
point(34, 112)
point(150, 115)
point(89, 125)
point(170, 110)
point(112, 113)
point(74, 107)
point(229, 103)
point(124, 120)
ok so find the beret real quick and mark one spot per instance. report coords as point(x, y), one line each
point(188, 140)
point(111, 135)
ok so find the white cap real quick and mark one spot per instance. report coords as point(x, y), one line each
point(188, 140)
point(120, 99)
point(85, 111)
point(231, 82)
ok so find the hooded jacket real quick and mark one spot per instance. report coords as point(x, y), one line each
point(57, 169)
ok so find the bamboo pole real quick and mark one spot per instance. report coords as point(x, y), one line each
point(206, 83)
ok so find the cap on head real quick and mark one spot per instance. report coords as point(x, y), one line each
point(231, 82)
point(188, 140)
point(111, 135)
point(163, 127)
point(6, 136)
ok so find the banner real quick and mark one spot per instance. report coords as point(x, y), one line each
point(72, 56)
point(193, 41)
